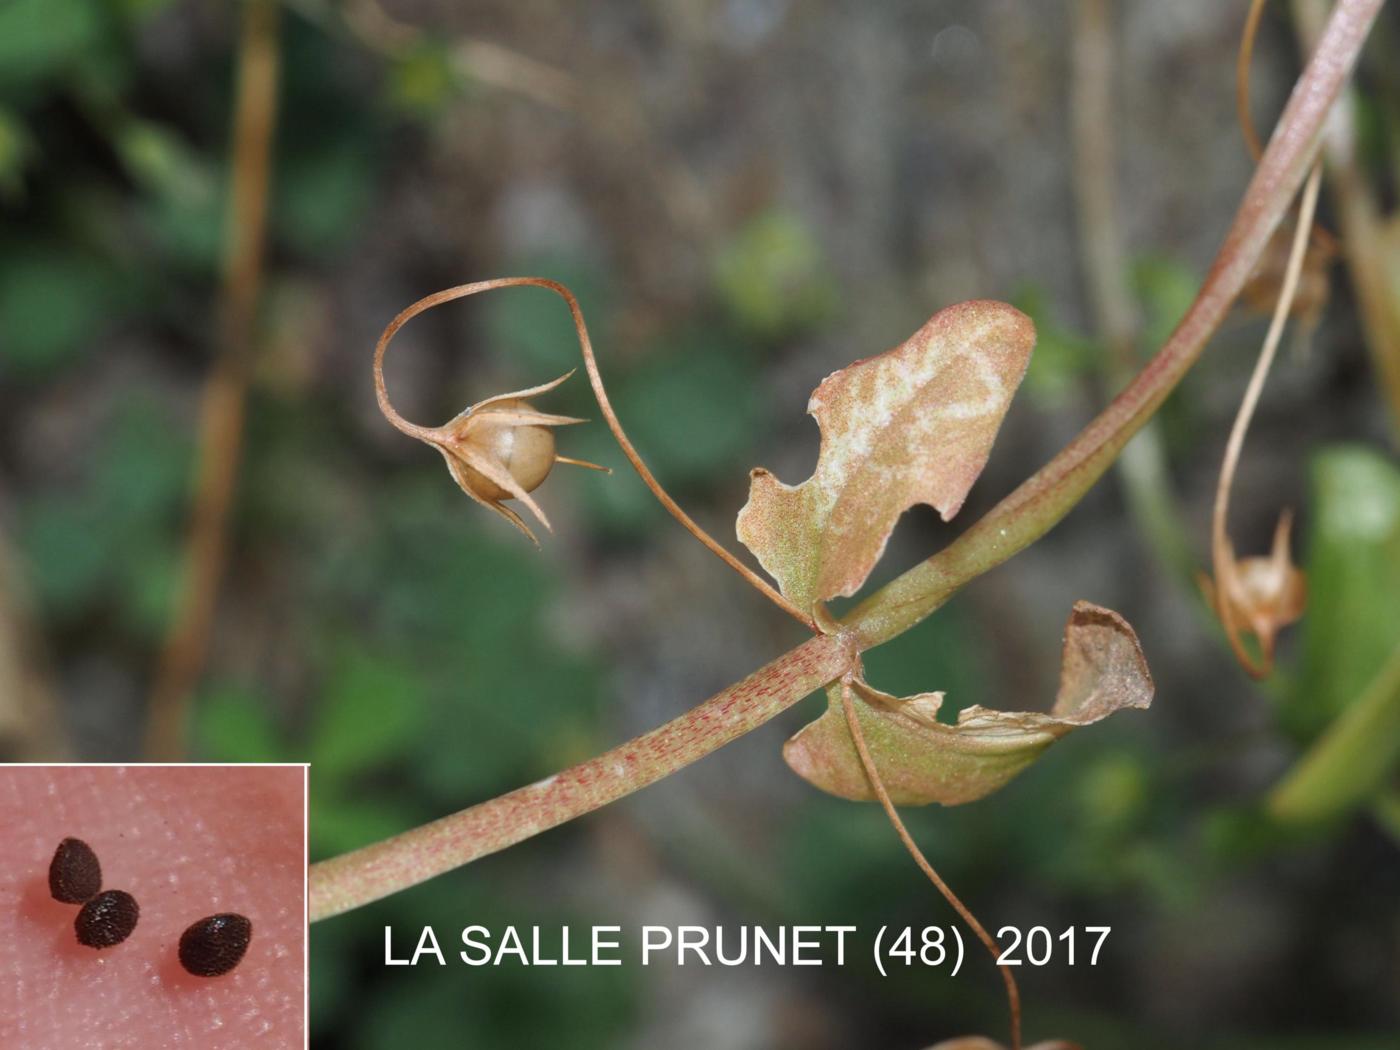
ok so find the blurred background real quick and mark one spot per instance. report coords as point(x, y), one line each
point(745, 195)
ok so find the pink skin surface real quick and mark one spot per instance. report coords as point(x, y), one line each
point(186, 842)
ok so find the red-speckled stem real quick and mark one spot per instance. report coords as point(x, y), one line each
point(367, 874)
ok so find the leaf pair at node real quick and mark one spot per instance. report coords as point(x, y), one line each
point(916, 425)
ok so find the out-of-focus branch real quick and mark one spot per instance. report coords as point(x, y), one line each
point(474, 59)
point(225, 392)
point(31, 729)
point(1351, 760)
point(1142, 468)
point(1359, 216)
point(1096, 184)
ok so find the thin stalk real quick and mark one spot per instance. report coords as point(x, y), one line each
point(226, 390)
point(1030, 511)
point(1243, 61)
point(1222, 554)
point(590, 364)
point(1013, 993)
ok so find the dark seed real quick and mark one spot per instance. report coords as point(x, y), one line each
point(74, 874)
point(212, 947)
point(107, 919)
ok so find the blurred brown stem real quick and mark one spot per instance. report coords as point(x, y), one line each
point(1142, 469)
point(1096, 182)
point(225, 391)
point(1359, 215)
point(31, 729)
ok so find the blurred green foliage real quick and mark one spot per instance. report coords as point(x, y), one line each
point(105, 539)
point(44, 39)
point(1345, 694)
point(1353, 567)
point(52, 302)
point(773, 278)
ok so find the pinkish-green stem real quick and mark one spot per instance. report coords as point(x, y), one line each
point(365, 875)
point(1024, 516)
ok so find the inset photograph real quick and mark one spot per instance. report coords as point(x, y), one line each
point(148, 906)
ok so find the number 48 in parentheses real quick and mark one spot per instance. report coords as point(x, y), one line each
point(1039, 945)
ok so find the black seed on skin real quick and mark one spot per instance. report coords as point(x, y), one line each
point(107, 919)
point(213, 946)
point(74, 874)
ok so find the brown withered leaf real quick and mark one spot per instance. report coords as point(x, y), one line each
point(912, 425)
point(922, 760)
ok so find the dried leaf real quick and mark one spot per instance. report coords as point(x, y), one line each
point(912, 425)
point(922, 760)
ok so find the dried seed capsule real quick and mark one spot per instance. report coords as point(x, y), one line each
point(107, 919)
point(213, 946)
point(74, 874)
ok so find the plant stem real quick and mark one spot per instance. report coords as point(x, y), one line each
point(367, 874)
point(225, 391)
point(1030, 511)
